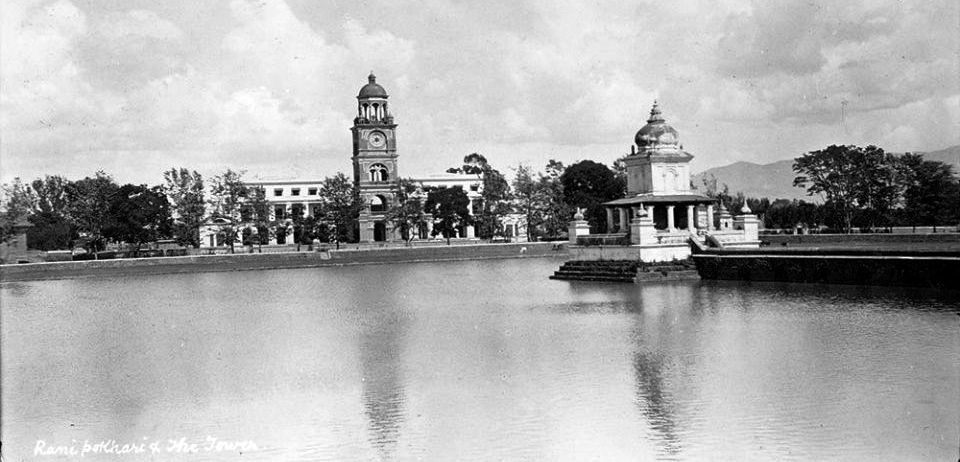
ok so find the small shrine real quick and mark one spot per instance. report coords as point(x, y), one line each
point(661, 215)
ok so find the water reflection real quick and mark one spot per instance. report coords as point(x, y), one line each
point(655, 333)
point(383, 328)
point(654, 400)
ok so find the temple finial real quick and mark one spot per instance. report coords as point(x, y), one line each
point(655, 113)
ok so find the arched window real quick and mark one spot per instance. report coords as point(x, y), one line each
point(378, 204)
point(379, 172)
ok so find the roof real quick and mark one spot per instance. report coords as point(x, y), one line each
point(662, 199)
point(372, 89)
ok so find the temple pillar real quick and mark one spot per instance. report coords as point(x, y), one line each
point(642, 231)
point(748, 223)
point(671, 226)
point(610, 223)
point(691, 225)
point(710, 217)
point(624, 222)
point(577, 227)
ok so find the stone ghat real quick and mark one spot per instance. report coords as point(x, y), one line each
point(864, 267)
point(630, 271)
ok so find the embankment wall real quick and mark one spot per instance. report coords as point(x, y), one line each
point(239, 262)
point(880, 238)
point(917, 270)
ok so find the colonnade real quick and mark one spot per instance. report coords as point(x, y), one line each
point(618, 218)
point(468, 231)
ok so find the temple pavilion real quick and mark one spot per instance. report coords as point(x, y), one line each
point(658, 185)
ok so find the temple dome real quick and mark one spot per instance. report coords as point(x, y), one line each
point(656, 133)
point(372, 89)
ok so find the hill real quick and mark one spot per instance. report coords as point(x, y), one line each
point(775, 180)
point(949, 155)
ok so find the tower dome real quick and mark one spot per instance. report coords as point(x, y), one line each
point(372, 89)
point(656, 134)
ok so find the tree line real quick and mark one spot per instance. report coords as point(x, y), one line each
point(863, 188)
point(860, 188)
point(97, 210)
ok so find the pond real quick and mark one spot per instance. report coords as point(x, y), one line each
point(475, 360)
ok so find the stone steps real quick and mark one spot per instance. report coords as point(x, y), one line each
point(624, 271)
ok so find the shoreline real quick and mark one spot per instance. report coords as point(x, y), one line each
point(251, 262)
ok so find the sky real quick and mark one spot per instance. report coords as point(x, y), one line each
point(135, 87)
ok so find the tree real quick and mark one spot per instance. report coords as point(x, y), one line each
point(931, 194)
point(227, 194)
point(302, 228)
point(138, 215)
point(184, 189)
point(882, 181)
point(51, 193)
point(493, 196)
point(556, 213)
point(530, 198)
point(340, 207)
point(89, 203)
point(18, 204)
point(407, 214)
point(256, 210)
point(589, 184)
point(620, 169)
point(835, 172)
point(51, 231)
point(449, 209)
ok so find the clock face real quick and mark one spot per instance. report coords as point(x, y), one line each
point(377, 139)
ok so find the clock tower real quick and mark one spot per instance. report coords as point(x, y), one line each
point(375, 161)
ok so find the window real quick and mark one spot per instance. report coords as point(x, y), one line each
point(378, 204)
point(312, 191)
point(295, 192)
point(278, 212)
point(278, 192)
point(378, 172)
point(474, 187)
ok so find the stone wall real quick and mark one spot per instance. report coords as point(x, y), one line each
point(646, 253)
point(862, 269)
point(822, 239)
point(235, 262)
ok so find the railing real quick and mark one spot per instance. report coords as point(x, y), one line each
point(728, 236)
point(672, 238)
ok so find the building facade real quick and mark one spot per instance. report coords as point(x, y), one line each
point(376, 177)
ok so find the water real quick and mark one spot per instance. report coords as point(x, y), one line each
point(483, 360)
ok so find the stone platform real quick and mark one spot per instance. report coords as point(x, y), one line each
point(630, 271)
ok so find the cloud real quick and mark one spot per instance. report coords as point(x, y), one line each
point(806, 59)
point(138, 23)
point(270, 85)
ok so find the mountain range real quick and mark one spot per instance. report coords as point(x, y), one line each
point(775, 180)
